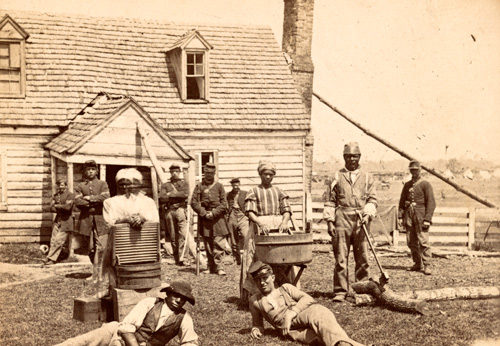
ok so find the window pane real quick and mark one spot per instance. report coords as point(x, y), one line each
point(190, 58)
point(4, 87)
point(15, 87)
point(4, 49)
point(199, 70)
point(192, 92)
point(190, 69)
point(4, 62)
point(200, 81)
point(199, 58)
point(15, 55)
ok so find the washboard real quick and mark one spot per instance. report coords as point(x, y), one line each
point(132, 246)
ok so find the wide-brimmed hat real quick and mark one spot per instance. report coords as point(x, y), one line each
point(182, 288)
point(174, 166)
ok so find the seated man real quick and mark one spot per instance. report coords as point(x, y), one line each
point(292, 311)
point(153, 321)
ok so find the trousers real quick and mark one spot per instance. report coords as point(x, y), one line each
point(418, 242)
point(214, 247)
point(348, 232)
point(318, 322)
point(176, 225)
point(238, 232)
point(57, 241)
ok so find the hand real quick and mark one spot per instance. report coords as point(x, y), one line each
point(289, 316)
point(87, 198)
point(331, 229)
point(209, 216)
point(426, 225)
point(256, 333)
point(283, 227)
point(400, 223)
point(365, 219)
point(264, 228)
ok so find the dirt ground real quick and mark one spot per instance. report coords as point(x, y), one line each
point(40, 312)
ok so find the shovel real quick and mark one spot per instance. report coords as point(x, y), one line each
point(384, 277)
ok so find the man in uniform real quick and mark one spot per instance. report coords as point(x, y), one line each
point(351, 193)
point(416, 207)
point(293, 312)
point(268, 209)
point(238, 221)
point(89, 196)
point(209, 202)
point(153, 321)
point(62, 205)
point(173, 197)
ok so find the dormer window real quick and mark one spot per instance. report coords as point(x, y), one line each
point(12, 63)
point(190, 56)
point(195, 76)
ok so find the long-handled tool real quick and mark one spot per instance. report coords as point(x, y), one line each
point(384, 277)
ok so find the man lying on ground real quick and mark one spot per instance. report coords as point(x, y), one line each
point(292, 311)
point(153, 321)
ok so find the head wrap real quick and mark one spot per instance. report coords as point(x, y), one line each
point(129, 173)
point(263, 165)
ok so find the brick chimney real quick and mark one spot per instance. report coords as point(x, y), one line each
point(297, 39)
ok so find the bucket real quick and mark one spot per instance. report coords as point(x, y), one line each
point(284, 248)
point(137, 276)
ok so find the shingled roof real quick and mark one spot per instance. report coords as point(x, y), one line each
point(70, 59)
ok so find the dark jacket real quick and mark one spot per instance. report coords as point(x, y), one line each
point(146, 332)
point(210, 198)
point(419, 196)
point(241, 199)
point(91, 211)
point(174, 194)
point(62, 205)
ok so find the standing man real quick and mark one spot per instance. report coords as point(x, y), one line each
point(352, 191)
point(238, 222)
point(89, 196)
point(62, 205)
point(173, 197)
point(416, 207)
point(268, 209)
point(209, 202)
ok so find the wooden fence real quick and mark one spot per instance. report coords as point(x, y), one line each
point(452, 227)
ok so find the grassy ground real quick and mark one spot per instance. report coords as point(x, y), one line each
point(40, 313)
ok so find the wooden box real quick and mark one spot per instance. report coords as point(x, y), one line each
point(125, 300)
point(87, 309)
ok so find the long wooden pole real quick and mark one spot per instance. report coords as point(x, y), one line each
point(405, 155)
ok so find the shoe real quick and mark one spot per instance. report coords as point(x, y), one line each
point(414, 268)
point(426, 271)
point(180, 263)
point(339, 298)
point(48, 262)
point(206, 271)
point(221, 272)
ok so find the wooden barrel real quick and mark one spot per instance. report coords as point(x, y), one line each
point(137, 276)
point(284, 248)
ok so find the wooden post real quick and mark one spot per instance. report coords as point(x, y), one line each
point(154, 184)
point(395, 237)
point(472, 228)
point(71, 189)
point(102, 172)
point(53, 173)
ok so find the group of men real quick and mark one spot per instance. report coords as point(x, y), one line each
point(238, 216)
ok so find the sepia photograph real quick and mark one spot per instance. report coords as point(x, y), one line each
point(249, 172)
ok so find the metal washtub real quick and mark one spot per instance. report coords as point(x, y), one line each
point(282, 248)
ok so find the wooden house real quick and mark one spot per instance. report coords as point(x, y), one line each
point(75, 88)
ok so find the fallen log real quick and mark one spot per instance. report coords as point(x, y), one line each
point(383, 295)
point(369, 292)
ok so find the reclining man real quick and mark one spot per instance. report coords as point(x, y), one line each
point(292, 311)
point(153, 321)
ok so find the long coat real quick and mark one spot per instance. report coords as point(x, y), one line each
point(417, 203)
point(91, 211)
point(210, 198)
point(62, 205)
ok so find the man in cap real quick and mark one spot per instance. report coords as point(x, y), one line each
point(292, 311)
point(152, 321)
point(237, 221)
point(130, 206)
point(268, 209)
point(351, 193)
point(209, 202)
point(416, 207)
point(173, 198)
point(89, 196)
point(62, 205)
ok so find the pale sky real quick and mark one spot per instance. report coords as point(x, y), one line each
point(423, 74)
